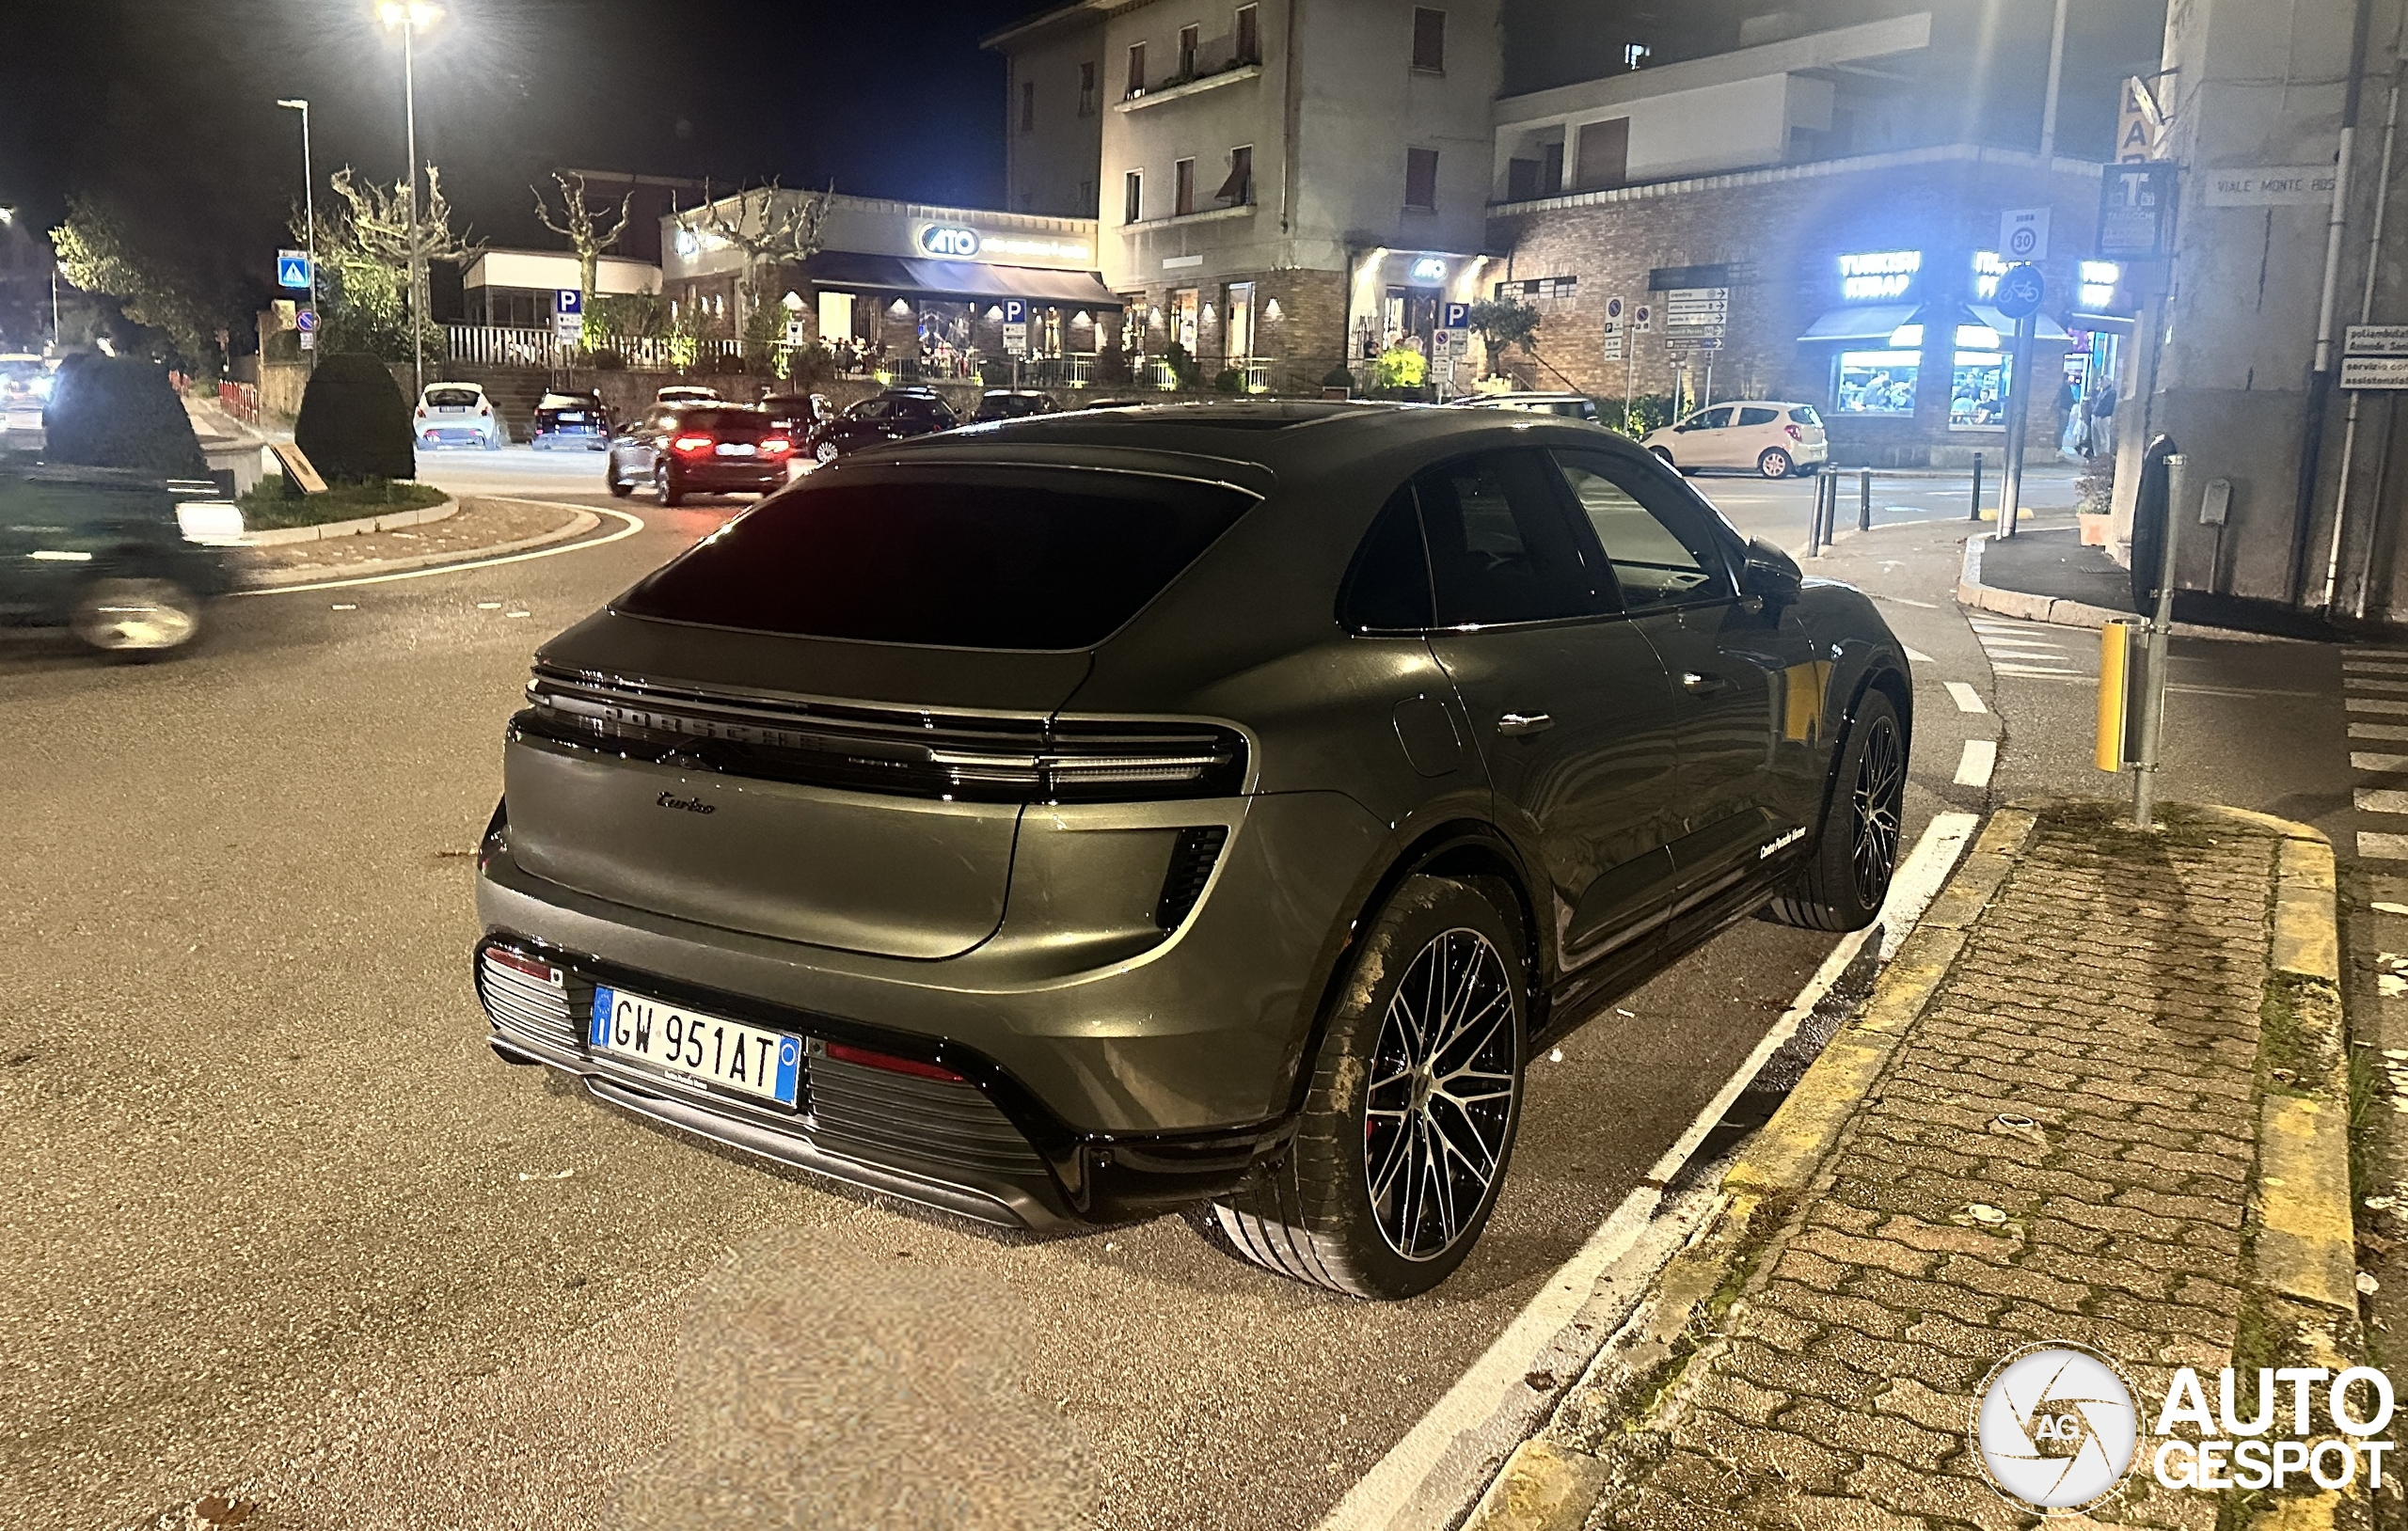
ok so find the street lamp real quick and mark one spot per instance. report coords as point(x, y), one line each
point(309, 202)
point(410, 18)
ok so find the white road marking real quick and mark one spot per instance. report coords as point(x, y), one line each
point(2359, 682)
point(489, 605)
point(632, 526)
point(2374, 705)
point(2381, 906)
point(1974, 766)
point(1966, 701)
point(1916, 657)
point(2389, 847)
point(2360, 761)
point(1389, 1487)
point(343, 605)
point(2378, 731)
point(2379, 801)
point(1900, 600)
point(2059, 673)
point(2372, 667)
point(2375, 653)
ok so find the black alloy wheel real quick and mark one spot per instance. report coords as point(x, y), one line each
point(1875, 803)
point(1846, 867)
point(1439, 1110)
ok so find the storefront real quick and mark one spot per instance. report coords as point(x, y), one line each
point(1398, 297)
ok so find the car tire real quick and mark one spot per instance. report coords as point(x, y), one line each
point(665, 486)
point(140, 618)
point(1664, 457)
point(827, 452)
point(619, 488)
point(1316, 1214)
point(1854, 851)
point(1776, 464)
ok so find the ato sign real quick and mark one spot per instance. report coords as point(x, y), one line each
point(951, 241)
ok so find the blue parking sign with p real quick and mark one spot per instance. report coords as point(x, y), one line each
point(291, 268)
point(571, 300)
point(1458, 316)
point(1015, 311)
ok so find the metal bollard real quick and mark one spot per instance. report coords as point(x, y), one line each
point(1865, 502)
point(1818, 534)
point(1977, 488)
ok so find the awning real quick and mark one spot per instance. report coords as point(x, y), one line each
point(2047, 329)
point(1861, 321)
point(958, 279)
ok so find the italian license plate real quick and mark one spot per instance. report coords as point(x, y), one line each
point(568, 415)
point(710, 1048)
point(735, 449)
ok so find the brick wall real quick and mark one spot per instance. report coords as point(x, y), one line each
point(1787, 229)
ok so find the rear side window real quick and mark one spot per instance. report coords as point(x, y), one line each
point(870, 409)
point(1388, 589)
point(1006, 559)
point(1751, 414)
point(1500, 548)
point(1804, 414)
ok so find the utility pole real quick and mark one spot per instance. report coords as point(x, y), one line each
point(2056, 79)
point(409, 118)
point(309, 204)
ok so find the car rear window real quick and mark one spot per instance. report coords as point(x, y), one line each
point(1004, 560)
point(1804, 414)
point(564, 401)
point(732, 424)
point(452, 398)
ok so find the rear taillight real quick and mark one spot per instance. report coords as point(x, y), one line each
point(691, 445)
point(483, 408)
point(775, 446)
point(422, 412)
point(866, 1058)
point(1205, 764)
point(1794, 433)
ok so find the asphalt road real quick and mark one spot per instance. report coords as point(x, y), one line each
point(276, 1220)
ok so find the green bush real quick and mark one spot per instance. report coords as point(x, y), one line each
point(1229, 380)
point(1337, 377)
point(354, 424)
point(1399, 366)
point(275, 500)
point(119, 412)
point(1648, 412)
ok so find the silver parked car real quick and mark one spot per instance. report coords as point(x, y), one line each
point(1117, 809)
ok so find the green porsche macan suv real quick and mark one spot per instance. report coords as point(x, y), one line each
point(1076, 817)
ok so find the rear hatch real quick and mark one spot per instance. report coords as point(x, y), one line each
point(822, 723)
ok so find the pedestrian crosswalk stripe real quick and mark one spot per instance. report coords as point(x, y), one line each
point(2375, 653)
point(2379, 801)
point(2025, 644)
point(1963, 695)
point(2027, 672)
point(2375, 704)
point(2359, 682)
point(2389, 847)
point(2361, 761)
point(2378, 731)
point(1916, 657)
point(2372, 667)
point(1974, 766)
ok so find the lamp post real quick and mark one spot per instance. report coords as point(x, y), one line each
point(308, 203)
point(412, 17)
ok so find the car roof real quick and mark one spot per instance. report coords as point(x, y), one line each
point(1520, 397)
point(473, 388)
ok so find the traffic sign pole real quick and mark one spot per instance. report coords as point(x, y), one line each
point(2018, 411)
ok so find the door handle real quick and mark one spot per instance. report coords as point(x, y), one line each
point(1702, 686)
point(1514, 725)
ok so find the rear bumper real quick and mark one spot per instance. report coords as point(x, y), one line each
point(741, 476)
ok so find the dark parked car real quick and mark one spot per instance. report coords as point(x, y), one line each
point(1012, 403)
point(703, 449)
point(798, 413)
point(1110, 812)
point(895, 415)
point(126, 562)
point(570, 419)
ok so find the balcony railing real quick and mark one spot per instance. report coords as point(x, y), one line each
point(493, 345)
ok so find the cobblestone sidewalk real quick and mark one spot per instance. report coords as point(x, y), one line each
point(2055, 1135)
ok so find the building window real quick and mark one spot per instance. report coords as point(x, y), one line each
point(1183, 189)
point(1977, 392)
point(1421, 179)
point(1237, 332)
point(1028, 106)
point(1249, 31)
point(1136, 69)
point(1184, 318)
point(1086, 89)
point(1877, 382)
point(1541, 293)
point(1428, 39)
point(1133, 198)
point(1187, 40)
point(1238, 189)
point(1603, 159)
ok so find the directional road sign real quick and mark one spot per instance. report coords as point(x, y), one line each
point(292, 268)
point(2377, 341)
point(2020, 291)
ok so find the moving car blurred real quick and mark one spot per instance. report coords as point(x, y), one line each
point(701, 448)
point(570, 419)
point(893, 415)
point(24, 389)
point(685, 393)
point(1754, 435)
point(1571, 406)
point(125, 560)
point(1012, 403)
point(457, 414)
point(798, 413)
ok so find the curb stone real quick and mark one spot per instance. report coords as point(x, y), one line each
point(282, 536)
point(583, 522)
point(1971, 591)
point(2301, 1258)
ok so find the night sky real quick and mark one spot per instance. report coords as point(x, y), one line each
point(165, 108)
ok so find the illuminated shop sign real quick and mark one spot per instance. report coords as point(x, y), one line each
point(959, 241)
point(1429, 269)
point(2099, 279)
point(1879, 277)
point(1987, 269)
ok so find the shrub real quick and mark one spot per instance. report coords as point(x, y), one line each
point(1230, 381)
point(1112, 367)
point(608, 360)
point(354, 424)
point(1182, 365)
point(1648, 412)
point(119, 412)
point(1399, 366)
point(1337, 377)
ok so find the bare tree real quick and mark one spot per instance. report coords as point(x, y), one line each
point(579, 227)
point(771, 227)
point(367, 242)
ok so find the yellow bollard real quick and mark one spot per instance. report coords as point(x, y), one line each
point(2114, 673)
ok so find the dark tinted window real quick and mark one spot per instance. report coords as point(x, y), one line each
point(1388, 589)
point(735, 423)
point(1804, 414)
point(1752, 415)
point(452, 398)
point(1500, 548)
point(1005, 560)
point(870, 409)
point(1661, 549)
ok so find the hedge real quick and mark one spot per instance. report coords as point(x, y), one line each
point(119, 412)
point(355, 425)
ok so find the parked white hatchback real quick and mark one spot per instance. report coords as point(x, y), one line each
point(1754, 435)
point(457, 414)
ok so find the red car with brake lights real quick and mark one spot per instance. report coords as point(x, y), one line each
point(701, 449)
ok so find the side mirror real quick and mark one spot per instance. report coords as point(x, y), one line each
point(1768, 575)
